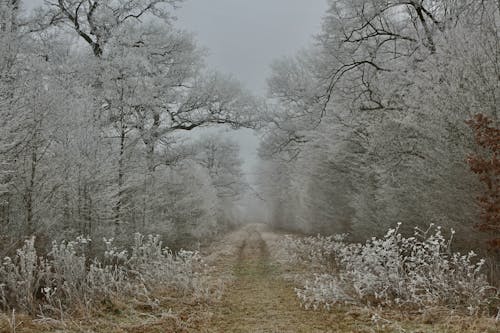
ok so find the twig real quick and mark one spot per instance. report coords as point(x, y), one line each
point(12, 322)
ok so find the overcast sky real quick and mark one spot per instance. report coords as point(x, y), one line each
point(244, 36)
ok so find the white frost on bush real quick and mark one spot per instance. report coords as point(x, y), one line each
point(67, 278)
point(394, 270)
point(317, 252)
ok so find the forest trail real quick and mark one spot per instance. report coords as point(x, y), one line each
point(260, 300)
point(255, 296)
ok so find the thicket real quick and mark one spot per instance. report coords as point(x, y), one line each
point(411, 273)
point(67, 280)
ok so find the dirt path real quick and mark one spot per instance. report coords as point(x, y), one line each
point(260, 300)
point(256, 298)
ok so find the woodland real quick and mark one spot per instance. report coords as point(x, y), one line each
point(382, 138)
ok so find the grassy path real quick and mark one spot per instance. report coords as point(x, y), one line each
point(257, 299)
point(261, 301)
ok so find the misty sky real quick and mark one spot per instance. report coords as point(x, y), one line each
point(244, 36)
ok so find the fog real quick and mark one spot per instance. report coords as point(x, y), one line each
point(211, 166)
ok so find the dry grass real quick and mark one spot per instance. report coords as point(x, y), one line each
point(350, 318)
point(257, 299)
point(173, 314)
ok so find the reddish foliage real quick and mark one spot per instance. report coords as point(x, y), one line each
point(486, 164)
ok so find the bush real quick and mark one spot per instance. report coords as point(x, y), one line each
point(394, 270)
point(20, 278)
point(158, 266)
point(66, 278)
point(318, 252)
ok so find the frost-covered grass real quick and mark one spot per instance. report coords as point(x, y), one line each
point(318, 252)
point(67, 279)
point(412, 272)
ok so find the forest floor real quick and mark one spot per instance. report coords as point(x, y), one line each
point(256, 298)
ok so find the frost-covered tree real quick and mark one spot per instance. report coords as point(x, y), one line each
point(376, 112)
point(94, 96)
point(154, 88)
point(8, 54)
point(96, 22)
point(9, 16)
point(220, 157)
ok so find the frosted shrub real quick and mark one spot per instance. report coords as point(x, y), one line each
point(112, 255)
point(19, 278)
point(159, 266)
point(319, 252)
point(67, 271)
point(69, 279)
point(323, 291)
point(417, 271)
point(66, 278)
point(105, 281)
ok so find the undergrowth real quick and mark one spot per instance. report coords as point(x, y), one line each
point(392, 271)
point(67, 279)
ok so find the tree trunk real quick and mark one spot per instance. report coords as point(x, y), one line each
point(121, 174)
point(30, 229)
